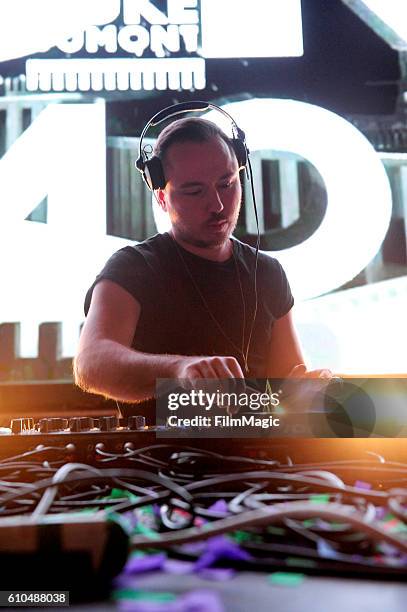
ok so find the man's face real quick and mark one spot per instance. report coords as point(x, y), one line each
point(203, 192)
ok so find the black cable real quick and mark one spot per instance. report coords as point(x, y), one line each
point(242, 492)
point(270, 515)
point(256, 257)
point(105, 474)
point(378, 496)
point(36, 451)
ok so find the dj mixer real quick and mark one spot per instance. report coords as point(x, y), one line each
point(81, 437)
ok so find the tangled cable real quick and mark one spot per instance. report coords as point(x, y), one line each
point(166, 495)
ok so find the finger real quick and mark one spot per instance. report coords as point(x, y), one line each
point(205, 369)
point(219, 368)
point(232, 376)
point(298, 371)
point(325, 373)
point(234, 367)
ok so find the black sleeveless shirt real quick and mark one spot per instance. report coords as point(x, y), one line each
point(174, 318)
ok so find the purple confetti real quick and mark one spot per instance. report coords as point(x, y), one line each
point(199, 600)
point(360, 484)
point(389, 549)
point(326, 551)
point(176, 566)
point(381, 512)
point(221, 548)
point(145, 563)
point(219, 506)
point(123, 581)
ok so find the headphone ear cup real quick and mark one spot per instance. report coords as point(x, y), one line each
point(240, 150)
point(153, 174)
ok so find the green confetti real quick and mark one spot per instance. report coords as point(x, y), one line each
point(121, 520)
point(322, 498)
point(394, 524)
point(241, 536)
point(144, 595)
point(286, 579)
point(115, 493)
point(137, 553)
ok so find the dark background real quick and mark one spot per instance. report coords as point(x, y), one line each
point(346, 68)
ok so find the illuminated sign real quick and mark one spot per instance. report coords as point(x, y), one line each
point(144, 46)
point(54, 263)
point(47, 267)
point(30, 26)
point(359, 197)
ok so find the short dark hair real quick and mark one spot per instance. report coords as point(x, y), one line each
point(191, 129)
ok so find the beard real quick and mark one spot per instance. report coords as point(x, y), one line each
point(203, 237)
point(182, 233)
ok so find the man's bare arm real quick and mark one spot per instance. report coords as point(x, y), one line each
point(286, 357)
point(106, 364)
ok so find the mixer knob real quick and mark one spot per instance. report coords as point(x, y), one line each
point(108, 423)
point(81, 423)
point(53, 424)
point(22, 425)
point(136, 422)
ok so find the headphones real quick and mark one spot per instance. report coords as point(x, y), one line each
point(152, 169)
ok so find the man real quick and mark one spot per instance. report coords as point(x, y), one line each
point(184, 304)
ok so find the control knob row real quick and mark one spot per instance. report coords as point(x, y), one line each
point(75, 424)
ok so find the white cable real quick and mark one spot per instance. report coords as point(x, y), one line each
point(49, 494)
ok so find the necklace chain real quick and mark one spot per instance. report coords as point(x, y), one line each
point(244, 353)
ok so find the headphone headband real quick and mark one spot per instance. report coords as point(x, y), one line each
point(152, 170)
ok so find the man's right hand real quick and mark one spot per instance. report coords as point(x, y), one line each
point(207, 367)
point(220, 374)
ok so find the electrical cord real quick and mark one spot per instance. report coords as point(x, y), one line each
point(188, 493)
point(378, 496)
point(50, 492)
point(40, 449)
point(249, 174)
point(169, 486)
point(272, 515)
